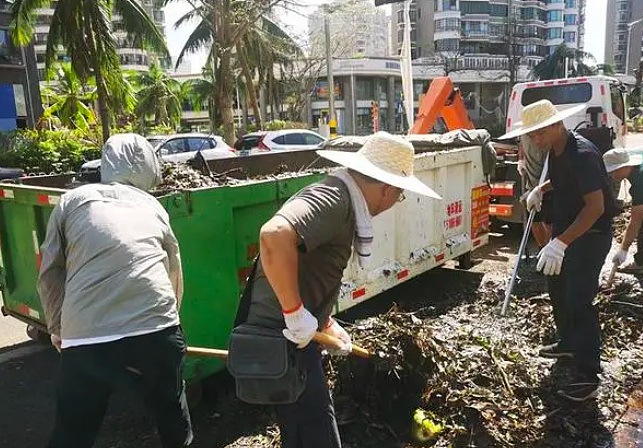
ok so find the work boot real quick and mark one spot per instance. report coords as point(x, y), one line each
point(555, 351)
point(631, 268)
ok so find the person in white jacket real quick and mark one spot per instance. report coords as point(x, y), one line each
point(111, 284)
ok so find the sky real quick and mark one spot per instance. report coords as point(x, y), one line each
point(297, 24)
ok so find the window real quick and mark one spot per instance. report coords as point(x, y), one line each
point(498, 10)
point(174, 146)
point(400, 16)
point(474, 7)
point(312, 139)
point(447, 44)
point(555, 33)
point(364, 89)
point(475, 28)
point(570, 37)
point(553, 1)
point(294, 139)
point(447, 5)
point(570, 19)
point(8, 53)
point(451, 24)
point(533, 14)
point(554, 16)
point(563, 94)
point(281, 140)
point(198, 144)
point(570, 4)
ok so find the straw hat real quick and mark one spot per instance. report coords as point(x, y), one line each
point(386, 158)
point(620, 157)
point(540, 115)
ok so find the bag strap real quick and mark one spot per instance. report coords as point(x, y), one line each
point(244, 302)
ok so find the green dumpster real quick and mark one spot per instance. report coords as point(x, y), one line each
point(217, 229)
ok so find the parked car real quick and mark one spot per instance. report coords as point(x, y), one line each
point(284, 140)
point(176, 148)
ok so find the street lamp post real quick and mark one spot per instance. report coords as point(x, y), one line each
point(629, 39)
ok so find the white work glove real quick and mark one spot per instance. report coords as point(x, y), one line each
point(619, 257)
point(522, 167)
point(342, 335)
point(550, 258)
point(301, 326)
point(56, 342)
point(535, 199)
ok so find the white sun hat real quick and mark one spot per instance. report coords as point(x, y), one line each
point(540, 115)
point(619, 158)
point(384, 157)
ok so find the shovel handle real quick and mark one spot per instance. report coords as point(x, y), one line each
point(326, 339)
point(322, 338)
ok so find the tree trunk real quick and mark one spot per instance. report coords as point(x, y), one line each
point(101, 88)
point(250, 86)
point(226, 98)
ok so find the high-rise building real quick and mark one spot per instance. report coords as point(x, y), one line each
point(357, 29)
point(618, 34)
point(422, 28)
point(488, 27)
point(132, 57)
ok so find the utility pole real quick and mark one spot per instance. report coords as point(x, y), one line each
point(329, 68)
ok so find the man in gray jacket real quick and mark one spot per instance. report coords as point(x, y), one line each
point(111, 284)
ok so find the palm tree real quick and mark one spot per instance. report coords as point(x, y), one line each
point(84, 28)
point(553, 66)
point(158, 95)
point(71, 98)
point(231, 21)
point(203, 91)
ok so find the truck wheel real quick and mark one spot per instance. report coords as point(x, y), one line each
point(37, 335)
point(464, 261)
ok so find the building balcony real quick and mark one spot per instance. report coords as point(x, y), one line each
point(440, 35)
point(446, 15)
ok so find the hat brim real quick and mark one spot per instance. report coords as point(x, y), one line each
point(635, 160)
point(361, 164)
point(560, 116)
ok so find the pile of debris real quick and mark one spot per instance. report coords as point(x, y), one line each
point(459, 375)
point(181, 176)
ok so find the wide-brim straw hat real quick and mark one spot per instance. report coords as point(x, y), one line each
point(540, 115)
point(619, 158)
point(386, 158)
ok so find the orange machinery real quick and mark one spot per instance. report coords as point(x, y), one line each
point(443, 100)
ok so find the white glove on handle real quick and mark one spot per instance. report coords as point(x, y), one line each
point(338, 332)
point(550, 258)
point(522, 167)
point(535, 199)
point(620, 257)
point(301, 326)
point(56, 342)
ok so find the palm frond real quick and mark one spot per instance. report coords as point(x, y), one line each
point(23, 14)
point(201, 37)
point(138, 23)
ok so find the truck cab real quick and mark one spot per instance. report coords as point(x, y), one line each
point(604, 96)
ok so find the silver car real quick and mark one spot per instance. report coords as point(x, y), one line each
point(284, 140)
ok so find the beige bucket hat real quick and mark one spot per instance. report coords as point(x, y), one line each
point(540, 115)
point(619, 158)
point(384, 157)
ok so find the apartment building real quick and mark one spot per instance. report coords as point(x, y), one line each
point(422, 28)
point(534, 28)
point(624, 43)
point(357, 29)
point(132, 57)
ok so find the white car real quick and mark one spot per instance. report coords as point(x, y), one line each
point(176, 148)
point(284, 140)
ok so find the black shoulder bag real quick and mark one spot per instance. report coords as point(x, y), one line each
point(266, 366)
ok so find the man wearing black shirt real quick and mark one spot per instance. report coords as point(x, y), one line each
point(583, 205)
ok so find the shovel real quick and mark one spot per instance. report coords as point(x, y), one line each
point(322, 338)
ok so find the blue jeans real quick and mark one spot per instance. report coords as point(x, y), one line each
point(310, 421)
point(572, 293)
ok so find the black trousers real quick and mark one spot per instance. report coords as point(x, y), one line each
point(149, 366)
point(310, 422)
point(638, 257)
point(572, 293)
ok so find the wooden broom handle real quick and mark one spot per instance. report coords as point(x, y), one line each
point(322, 338)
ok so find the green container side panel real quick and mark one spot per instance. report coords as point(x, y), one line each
point(218, 232)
